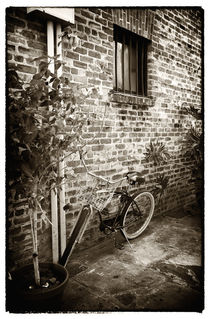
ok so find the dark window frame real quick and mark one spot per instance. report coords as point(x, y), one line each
point(136, 48)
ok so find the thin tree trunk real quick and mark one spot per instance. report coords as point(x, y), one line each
point(33, 219)
point(35, 254)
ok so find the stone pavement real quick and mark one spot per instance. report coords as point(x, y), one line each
point(161, 271)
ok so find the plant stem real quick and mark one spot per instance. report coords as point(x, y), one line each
point(35, 255)
point(33, 220)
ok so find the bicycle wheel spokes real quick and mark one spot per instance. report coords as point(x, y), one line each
point(137, 214)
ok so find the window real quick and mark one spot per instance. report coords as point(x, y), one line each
point(130, 62)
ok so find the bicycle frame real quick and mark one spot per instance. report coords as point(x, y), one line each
point(116, 224)
point(86, 212)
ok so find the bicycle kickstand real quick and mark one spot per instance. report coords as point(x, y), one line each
point(116, 243)
point(127, 239)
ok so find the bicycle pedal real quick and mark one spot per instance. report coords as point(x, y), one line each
point(120, 246)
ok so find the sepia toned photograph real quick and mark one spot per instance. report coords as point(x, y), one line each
point(104, 159)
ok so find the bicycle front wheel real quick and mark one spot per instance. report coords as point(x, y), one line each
point(137, 214)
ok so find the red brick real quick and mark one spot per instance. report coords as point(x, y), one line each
point(9, 56)
point(28, 34)
point(23, 50)
point(37, 45)
point(94, 54)
point(87, 14)
point(72, 55)
point(19, 238)
point(106, 15)
point(10, 47)
point(80, 20)
point(94, 25)
point(74, 71)
point(10, 28)
point(107, 30)
point(101, 21)
point(26, 68)
point(18, 58)
point(95, 10)
point(86, 59)
point(80, 65)
point(16, 22)
point(80, 28)
point(88, 45)
point(97, 148)
point(94, 33)
point(100, 49)
point(81, 51)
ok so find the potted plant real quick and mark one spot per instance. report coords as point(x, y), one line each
point(38, 114)
point(157, 154)
point(193, 150)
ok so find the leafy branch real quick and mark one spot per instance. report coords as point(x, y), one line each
point(193, 111)
point(157, 153)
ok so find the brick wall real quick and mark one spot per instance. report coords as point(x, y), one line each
point(174, 79)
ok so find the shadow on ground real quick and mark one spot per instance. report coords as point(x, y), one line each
point(161, 271)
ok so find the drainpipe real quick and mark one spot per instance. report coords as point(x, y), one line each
point(54, 208)
point(61, 162)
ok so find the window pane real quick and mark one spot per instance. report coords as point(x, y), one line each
point(130, 62)
point(114, 78)
point(145, 70)
point(126, 67)
point(133, 66)
point(119, 65)
point(141, 68)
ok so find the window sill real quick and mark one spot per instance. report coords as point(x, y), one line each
point(143, 101)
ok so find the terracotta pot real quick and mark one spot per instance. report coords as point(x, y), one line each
point(23, 299)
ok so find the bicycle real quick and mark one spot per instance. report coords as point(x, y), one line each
point(131, 220)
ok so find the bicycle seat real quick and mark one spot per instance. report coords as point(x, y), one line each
point(135, 177)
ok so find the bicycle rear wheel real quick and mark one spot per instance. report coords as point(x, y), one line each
point(137, 214)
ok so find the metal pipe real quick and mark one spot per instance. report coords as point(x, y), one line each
point(50, 45)
point(61, 162)
point(54, 206)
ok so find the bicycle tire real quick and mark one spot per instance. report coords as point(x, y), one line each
point(135, 219)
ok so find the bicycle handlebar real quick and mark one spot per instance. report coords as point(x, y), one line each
point(100, 177)
point(132, 177)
